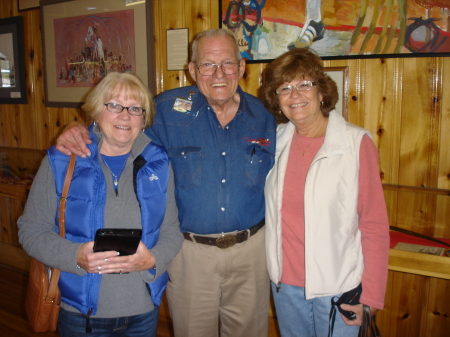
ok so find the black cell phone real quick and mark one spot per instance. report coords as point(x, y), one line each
point(350, 297)
point(123, 240)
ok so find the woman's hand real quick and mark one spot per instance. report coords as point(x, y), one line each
point(110, 262)
point(74, 139)
point(358, 310)
point(90, 261)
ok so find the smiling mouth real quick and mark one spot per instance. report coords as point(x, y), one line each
point(219, 84)
point(297, 105)
point(122, 127)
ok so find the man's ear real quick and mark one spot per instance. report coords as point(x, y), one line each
point(241, 68)
point(192, 71)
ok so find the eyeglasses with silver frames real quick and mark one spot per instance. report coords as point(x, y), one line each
point(301, 86)
point(209, 69)
point(117, 108)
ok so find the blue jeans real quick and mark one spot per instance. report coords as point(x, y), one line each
point(72, 324)
point(298, 317)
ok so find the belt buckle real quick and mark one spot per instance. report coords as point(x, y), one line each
point(226, 241)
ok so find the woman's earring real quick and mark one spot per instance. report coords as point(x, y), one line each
point(95, 123)
point(321, 103)
point(280, 112)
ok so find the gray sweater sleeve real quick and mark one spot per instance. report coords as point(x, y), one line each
point(170, 237)
point(37, 225)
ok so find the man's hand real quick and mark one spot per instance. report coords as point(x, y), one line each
point(74, 139)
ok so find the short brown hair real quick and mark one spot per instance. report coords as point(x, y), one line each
point(296, 63)
point(115, 84)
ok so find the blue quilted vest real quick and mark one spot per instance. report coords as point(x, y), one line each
point(85, 207)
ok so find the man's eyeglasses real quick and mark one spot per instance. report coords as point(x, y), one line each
point(209, 69)
point(117, 108)
point(301, 86)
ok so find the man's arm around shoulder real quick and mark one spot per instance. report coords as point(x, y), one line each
point(73, 139)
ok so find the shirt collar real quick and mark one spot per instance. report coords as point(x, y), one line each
point(200, 102)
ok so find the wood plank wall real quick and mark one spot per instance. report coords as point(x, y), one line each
point(403, 102)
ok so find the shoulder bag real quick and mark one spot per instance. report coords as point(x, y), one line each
point(43, 298)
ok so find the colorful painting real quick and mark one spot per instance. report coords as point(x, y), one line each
point(266, 29)
point(88, 47)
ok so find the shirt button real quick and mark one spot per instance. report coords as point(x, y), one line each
point(222, 209)
point(182, 153)
point(223, 180)
point(227, 127)
point(224, 153)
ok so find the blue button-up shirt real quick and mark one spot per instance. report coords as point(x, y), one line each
point(220, 172)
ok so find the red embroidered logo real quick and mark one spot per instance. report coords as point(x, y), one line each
point(260, 141)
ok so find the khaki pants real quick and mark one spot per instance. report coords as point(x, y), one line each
point(209, 283)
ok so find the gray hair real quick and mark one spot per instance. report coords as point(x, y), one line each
point(213, 33)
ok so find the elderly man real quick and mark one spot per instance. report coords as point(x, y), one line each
point(221, 142)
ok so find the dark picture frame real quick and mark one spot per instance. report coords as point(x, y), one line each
point(369, 29)
point(87, 32)
point(13, 91)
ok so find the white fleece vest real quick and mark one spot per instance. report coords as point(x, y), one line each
point(333, 254)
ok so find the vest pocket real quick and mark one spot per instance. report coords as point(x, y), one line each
point(187, 164)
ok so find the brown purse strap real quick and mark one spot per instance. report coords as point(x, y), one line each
point(52, 290)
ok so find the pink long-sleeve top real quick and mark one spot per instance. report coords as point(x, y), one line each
point(373, 220)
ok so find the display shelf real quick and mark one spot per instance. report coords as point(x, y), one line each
point(420, 264)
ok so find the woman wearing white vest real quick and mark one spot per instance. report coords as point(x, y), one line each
point(327, 229)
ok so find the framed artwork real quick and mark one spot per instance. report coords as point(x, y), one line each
point(340, 76)
point(12, 62)
point(84, 40)
point(342, 29)
point(27, 4)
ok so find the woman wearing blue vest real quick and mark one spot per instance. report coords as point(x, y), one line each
point(126, 183)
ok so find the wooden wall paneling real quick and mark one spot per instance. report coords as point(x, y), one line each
point(172, 15)
point(416, 211)
point(35, 78)
point(159, 43)
point(8, 8)
point(252, 78)
point(199, 16)
point(4, 218)
point(383, 316)
point(435, 72)
point(408, 300)
point(375, 84)
point(444, 141)
point(441, 226)
point(11, 209)
point(390, 121)
point(438, 309)
point(356, 92)
point(417, 121)
point(214, 10)
point(28, 122)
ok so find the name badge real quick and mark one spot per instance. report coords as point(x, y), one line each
point(184, 105)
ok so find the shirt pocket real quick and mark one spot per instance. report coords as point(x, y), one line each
point(187, 164)
point(258, 162)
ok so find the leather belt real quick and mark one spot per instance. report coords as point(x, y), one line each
point(225, 240)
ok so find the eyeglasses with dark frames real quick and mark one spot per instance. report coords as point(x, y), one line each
point(209, 69)
point(117, 108)
point(301, 86)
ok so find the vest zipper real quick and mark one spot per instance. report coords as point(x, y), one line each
point(88, 323)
